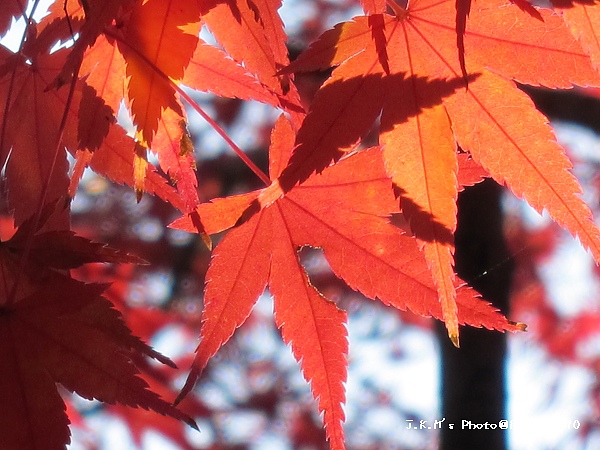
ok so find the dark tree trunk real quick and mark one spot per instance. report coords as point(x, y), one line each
point(473, 384)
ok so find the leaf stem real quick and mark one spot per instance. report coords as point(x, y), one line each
point(237, 150)
point(399, 11)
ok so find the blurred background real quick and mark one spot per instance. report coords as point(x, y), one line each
point(253, 396)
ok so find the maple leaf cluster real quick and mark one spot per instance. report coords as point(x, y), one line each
point(435, 81)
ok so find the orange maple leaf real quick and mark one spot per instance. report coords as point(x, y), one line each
point(132, 59)
point(159, 39)
point(345, 211)
point(253, 34)
point(582, 19)
point(408, 67)
point(89, 19)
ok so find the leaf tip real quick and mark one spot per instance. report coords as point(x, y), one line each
point(454, 339)
point(519, 325)
point(140, 165)
point(179, 398)
point(197, 221)
point(192, 423)
point(206, 240)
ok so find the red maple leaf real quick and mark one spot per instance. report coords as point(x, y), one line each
point(8, 10)
point(55, 329)
point(253, 35)
point(407, 68)
point(345, 211)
